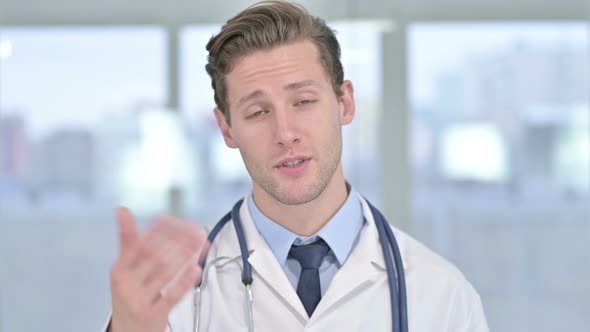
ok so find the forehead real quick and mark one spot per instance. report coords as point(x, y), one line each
point(274, 68)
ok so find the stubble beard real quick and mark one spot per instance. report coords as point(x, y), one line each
point(325, 173)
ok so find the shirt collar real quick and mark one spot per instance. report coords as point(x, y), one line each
point(340, 233)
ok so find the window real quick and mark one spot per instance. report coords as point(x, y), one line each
point(501, 163)
point(84, 127)
point(75, 106)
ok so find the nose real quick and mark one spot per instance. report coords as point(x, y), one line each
point(285, 128)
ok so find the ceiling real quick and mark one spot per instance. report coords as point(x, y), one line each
point(171, 12)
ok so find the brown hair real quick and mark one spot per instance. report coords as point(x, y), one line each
point(263, 26)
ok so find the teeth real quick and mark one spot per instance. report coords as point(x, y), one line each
point(293, 163)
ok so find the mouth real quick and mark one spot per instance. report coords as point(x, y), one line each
point(292, 162)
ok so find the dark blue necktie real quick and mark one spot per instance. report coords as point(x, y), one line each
point(310, 258)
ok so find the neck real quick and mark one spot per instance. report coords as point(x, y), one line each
point(308, 218)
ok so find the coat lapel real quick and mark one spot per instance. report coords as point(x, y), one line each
point(363, 267)
point(265, 265)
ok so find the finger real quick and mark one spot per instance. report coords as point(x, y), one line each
point(166, 245)
point(174, 294)
point(169, 264)
point(128, 235)
point(147, 244)
point(167, 237)
point(166, 274)
point(204, 253)
point(169, 257)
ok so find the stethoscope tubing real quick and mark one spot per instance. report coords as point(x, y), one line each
point(397, 284)
point(389, 246)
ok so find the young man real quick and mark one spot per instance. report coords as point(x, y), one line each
point(282, 101)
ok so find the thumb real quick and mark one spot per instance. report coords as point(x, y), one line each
point(127, 229)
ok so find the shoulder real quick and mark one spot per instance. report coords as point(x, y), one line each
point(429, 277)
point(426, 265)
point(419, 258)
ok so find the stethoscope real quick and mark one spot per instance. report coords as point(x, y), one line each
point(395, 274)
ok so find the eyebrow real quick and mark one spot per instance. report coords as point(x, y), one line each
point(290, 87)
point(300, 85)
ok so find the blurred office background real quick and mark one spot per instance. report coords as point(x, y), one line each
point(472, 134)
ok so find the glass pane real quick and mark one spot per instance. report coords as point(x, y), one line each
point(224, 178)
point(75, 106)
point(501, 164)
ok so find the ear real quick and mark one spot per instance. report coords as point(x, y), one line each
point(346, 102)
point(225, 128)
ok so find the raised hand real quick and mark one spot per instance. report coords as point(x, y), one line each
point(153, 271)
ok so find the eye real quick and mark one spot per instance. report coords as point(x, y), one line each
point(256, 114)
point(305, 102)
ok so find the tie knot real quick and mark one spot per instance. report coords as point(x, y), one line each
point(310, 256)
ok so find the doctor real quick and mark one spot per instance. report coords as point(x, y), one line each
point(282, 101)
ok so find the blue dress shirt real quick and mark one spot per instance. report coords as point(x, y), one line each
point(340, 233)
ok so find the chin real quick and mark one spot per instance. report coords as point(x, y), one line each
point(296, 195)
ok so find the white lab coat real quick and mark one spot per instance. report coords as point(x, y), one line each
point(439, 297)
